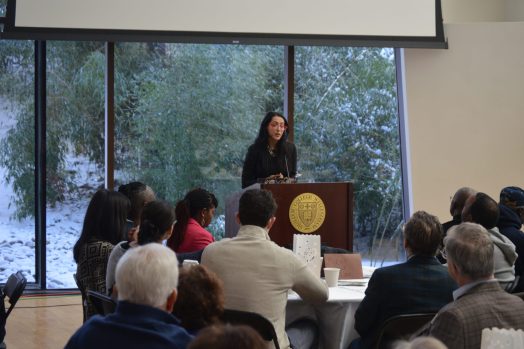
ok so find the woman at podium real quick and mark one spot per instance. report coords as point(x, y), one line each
point(270, 157)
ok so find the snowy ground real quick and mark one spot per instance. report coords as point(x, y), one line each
point(64, 222)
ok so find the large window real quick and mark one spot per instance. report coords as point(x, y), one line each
point(185, 115)
point(17, 159)
point(75, 149)
point(347, 129)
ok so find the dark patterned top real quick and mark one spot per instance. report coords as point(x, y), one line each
point(91, 269)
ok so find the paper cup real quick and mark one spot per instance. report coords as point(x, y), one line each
point(189, 263)
point(331, 275)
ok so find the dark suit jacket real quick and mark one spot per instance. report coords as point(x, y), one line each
point(460, 324)
point(419, 285)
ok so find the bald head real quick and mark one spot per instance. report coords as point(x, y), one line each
point(459, 200)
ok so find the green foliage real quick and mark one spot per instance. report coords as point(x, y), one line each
point(17, 156)
point(197, 110)
point(346, 122)
point(17, 147)
point(185, 115)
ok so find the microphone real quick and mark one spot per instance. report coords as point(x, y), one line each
point(287, 168)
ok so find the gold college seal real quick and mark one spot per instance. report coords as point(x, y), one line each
point(307, 212)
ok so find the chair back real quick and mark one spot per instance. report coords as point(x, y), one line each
point(103, 304)
point(510, 287)
point(84, 298)
point(13, 289)
point(263, 326)
point(401, 327)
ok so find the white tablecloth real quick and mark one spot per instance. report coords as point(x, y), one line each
point(335, 318)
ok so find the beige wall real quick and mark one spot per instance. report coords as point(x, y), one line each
point(465, 110)
point(457, 11)
point(514, 10)
point(462, 11)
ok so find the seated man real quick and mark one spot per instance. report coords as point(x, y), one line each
point(146, 279)
point(257, 273)
point(420, 285)
point(483, 210)
point(479, 302)
point(511, 207)
point(456, 207)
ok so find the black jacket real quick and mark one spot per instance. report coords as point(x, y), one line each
point(509, 225)
point(259, 164)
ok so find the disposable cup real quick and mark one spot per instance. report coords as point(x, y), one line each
point(331, 275)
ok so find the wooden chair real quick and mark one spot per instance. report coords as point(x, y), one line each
point(263, 326)
point(103, 304)
point(401, 327)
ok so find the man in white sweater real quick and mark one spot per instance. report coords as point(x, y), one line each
point(257, 273)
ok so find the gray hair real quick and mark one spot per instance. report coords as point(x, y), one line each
point(147, 275)
point(470, 248)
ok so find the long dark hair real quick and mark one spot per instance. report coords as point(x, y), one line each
point(262, 138)
point(190, 207)
point(104, 220)
point(157, 217)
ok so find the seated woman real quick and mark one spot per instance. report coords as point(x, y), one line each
point(193, 214)
point(104, 226)
point(156, 225)
point(200, 299)
point(139, 195)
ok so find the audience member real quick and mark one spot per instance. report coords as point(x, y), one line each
point(157, 222)
point(104, 226)
point(479, 302)
point(200, 301)
point(483, 210)
point(456, 207)
point(146, 278)
point(511, 207)
point(420, 343)
point(193, 214)
point(228, 337)
point(257, 273)
point(419, 285)
point(139, 195)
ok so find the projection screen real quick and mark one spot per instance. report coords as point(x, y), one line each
point(230, 21)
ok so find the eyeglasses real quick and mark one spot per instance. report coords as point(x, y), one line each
point(444, 253)
point(278, 125)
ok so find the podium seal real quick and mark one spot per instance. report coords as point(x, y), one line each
point(307, 212)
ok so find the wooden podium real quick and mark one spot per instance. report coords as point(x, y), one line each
point(335, 230)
